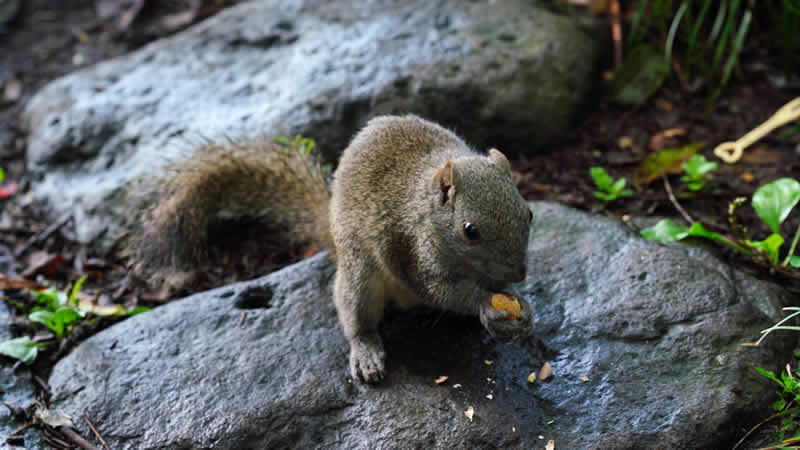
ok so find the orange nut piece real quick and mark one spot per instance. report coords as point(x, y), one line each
point(507, 302)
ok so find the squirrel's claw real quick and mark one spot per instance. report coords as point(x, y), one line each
point(367, 358)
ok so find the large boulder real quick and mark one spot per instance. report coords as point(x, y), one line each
point(508, 74)
point(655, 330)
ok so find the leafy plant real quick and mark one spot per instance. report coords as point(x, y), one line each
point(788, 399)
point(697, 170)
point(58, 311)
point(703, 40)
point(302, 144)
point(608, 189)
point(772, 202)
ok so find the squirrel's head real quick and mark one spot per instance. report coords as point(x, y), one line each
point(487, 219)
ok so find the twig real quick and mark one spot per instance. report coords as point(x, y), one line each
point(43, 235)
point(674, 201)
point(91, 427)
point(76, 438)
point(616, 32)
point(18, 431)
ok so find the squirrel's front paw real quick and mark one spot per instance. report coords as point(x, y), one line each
point(367, 358)
point(502, 326)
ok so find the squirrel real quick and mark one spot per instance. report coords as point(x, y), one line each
point(413, 216)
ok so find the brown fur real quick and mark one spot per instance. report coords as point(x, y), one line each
point(402, 196)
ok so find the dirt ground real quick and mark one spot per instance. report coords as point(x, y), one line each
point(50, 38)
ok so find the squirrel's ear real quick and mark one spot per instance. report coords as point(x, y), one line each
point(444, 180)
point(499, 159)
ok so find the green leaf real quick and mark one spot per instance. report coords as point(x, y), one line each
point(642, 73)
point(795, 261)
point(770, 246)
point(779, 404)
point(604, 196)
point(51, 298)
point(698, 166)
point(66, 315)
point(665, 231)
point(666, 161)
point(668, 231)
point(774, 201)
point(73, 295)
point(41, 316)
point(618, 186)
point(796, 353)
point(769, 374)
point(601, 178)
point(2, 175)
point(23, 349)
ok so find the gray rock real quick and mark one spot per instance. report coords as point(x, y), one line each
point(263, 364)
point(507, 74)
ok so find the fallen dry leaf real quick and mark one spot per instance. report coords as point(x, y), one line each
point(747, 177)
point(665, 138)
point(441, 379)
point(18, 283)
point(625, 142)
point(551, 445)
point(470, 411)
point(532, 377)
point(546, 372)
point(44, 263)
point(667, 161)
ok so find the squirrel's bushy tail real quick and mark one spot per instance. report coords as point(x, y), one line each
point(263, 180)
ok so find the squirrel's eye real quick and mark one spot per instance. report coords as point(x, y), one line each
point(471, 231)
point(530, 216)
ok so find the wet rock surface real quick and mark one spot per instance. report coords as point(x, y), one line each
point(263, 364)
point(504, 74)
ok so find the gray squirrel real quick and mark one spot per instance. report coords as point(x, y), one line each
point(413, 216)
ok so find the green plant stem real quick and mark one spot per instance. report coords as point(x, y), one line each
point(734, 245)
point(792, 248)
point(673, 29)
point(777, 326)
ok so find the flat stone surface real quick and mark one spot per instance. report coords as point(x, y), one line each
point(263, 364)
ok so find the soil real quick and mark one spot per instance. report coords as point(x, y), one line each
point(48, 39)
